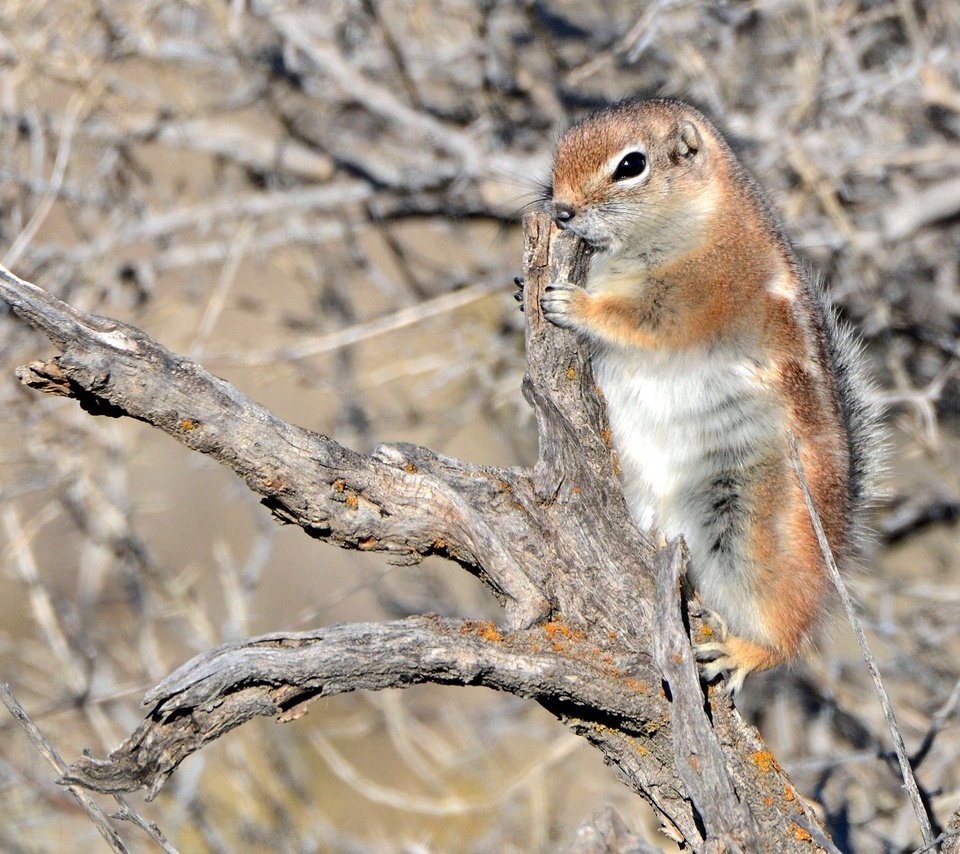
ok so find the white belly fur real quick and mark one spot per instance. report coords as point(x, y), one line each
point(680, 420)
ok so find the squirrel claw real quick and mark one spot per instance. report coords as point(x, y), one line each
point(519, 281)
point(716, 657)
point(720, 662)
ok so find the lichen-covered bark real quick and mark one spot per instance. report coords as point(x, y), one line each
point(555, 543)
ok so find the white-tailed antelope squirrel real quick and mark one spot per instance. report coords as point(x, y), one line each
point(710, 342)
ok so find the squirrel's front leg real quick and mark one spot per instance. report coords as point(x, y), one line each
point(609, 318)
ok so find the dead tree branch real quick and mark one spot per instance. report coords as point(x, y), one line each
point(555, 543)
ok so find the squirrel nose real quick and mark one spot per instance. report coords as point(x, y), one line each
point(562, 213)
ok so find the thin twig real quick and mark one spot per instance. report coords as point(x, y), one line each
point(943, 837)
point(906, 770)
point(46, 204)
point(87, 804)
point(128, 813)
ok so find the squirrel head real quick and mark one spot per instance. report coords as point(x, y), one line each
point(641, 179)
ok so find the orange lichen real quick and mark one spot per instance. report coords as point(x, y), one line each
point(411, 468)
point(367, 543)
point(488, 631)
point(612, 634)
point(571, 373)
point(607, 435)
point(765, 761)
point(187, 424)
point(352, 502)
point(556, 627)
point(788, 794)
point(558, 647)
point(800, 834)
point(694, 763)
point(339, 485)
point(706, 630)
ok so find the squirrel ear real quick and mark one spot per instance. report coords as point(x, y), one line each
point(687, 141)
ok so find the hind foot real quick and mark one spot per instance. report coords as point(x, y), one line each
point(735, 656)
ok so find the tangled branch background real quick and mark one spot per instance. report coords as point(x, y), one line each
point(320, 205)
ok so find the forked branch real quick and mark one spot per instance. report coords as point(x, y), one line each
point(555, 543)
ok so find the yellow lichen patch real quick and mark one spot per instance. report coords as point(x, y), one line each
point(642, 750)
point(706, 630)
point(411, 468)
point(800, 834)
point(188, 424)
point(765, 761)
point(352, 502)
point(571, 373)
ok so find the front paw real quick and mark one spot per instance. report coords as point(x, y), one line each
point(558, 303)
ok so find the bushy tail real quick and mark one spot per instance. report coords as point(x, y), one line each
point(862, 412)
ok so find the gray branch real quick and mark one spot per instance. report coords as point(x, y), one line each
point(555, 543)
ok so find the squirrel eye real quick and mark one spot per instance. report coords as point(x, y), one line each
point(630, 166)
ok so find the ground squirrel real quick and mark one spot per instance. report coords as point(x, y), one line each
point(711, 341)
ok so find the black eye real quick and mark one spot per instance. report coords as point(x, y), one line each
point(632, 165)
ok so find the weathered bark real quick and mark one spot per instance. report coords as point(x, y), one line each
point(578, 581)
